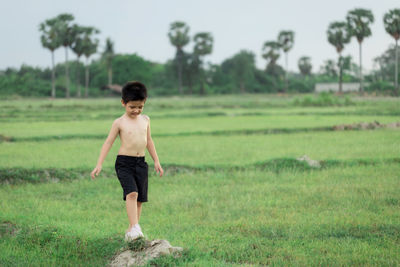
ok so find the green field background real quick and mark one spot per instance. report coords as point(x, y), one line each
point(233, 193)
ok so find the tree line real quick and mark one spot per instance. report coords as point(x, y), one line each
point(187, 72)
point(60, 31)
point(357, 25)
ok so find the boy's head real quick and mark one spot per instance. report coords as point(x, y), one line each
point(134, 95)
point(133, 91)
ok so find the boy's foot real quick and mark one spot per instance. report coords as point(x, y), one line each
point(133, 234)
point(138, 227)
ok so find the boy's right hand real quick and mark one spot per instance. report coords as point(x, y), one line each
point(96, 171)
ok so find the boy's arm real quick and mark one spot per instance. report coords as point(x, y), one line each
point(152, 150)
point(106, 147)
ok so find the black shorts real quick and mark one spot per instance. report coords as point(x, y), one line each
point(132, 173)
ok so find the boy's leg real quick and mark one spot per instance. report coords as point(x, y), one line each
point(139, 210)
point(132, 209)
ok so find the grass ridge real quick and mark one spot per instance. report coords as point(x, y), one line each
point(34, 175)
point(11, 117)
point(264, 131)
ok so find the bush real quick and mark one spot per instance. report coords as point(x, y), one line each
point(380, 87)
point(301, 86)
point(25, 84)
point(322, 100)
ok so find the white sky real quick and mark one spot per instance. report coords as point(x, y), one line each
point(141, 27)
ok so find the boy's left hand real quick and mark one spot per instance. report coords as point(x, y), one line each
point(158, 168)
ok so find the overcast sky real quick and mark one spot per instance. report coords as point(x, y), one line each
point(141, 27)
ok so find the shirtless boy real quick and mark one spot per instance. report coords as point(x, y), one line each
point(130, 165)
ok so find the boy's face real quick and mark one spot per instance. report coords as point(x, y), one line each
point(133, 108)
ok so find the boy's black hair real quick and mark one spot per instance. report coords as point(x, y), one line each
point(133, 91)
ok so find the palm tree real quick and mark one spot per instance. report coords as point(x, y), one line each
point(193, 71)
point(305, 66)
point(108, 56)
point(338, 36)
point(203, 46)
point(271, 52)
point(78, 48)
point(179, 37)
point(50, 40)
point(90, 47)
point(66, 34)
point(286, 40)
point(358, 21)
point(391, 21)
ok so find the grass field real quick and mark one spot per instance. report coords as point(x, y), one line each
point(232, 195)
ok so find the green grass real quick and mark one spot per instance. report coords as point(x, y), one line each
point(33, 110)
point(234, 150)
point(167, 126)
point(237, 216)
point(232, 195)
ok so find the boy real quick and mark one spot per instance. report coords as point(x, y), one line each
point(130, 165)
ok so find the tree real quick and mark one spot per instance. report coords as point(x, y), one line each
point(350, 68)
point(329, 68)
point(108, 56)
point(66, 35)
point(179, 37)
point(304, 65)
point(378, 64)
point(358, 21)
point(203, 46)
point(240, 68)
point(386, 63)
point(270, 52)
point(51, 41)
point(78, 48)
point(338, 36)
point(391, 20)
point(191, 69)
point(90, 47)
point(286, 41)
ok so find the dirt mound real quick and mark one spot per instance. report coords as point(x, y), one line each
point(5, 138)
point(141, 251)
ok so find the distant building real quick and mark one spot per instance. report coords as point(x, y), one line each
point(334, 87)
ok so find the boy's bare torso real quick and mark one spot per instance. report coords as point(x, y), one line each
point(133, 135)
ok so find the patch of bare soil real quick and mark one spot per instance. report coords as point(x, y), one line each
point(8, 228)
point(366, 126)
